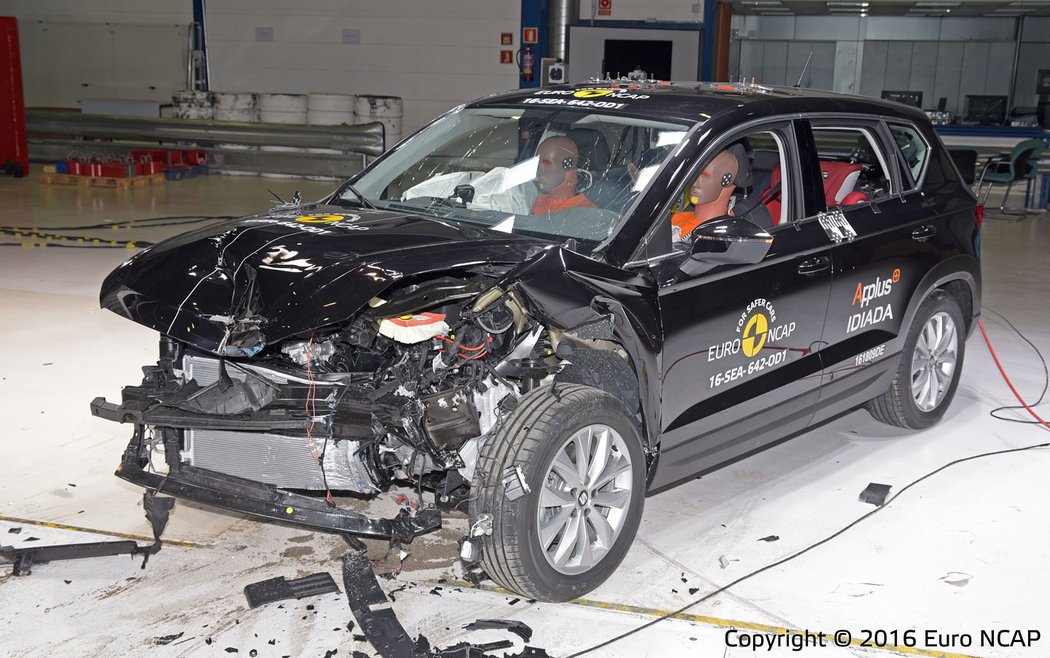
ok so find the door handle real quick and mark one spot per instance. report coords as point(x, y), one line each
point(814, 265)
point(924, 233)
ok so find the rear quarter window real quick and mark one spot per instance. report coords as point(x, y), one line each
point(914, 151)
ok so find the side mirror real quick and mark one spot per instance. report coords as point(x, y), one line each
point(729, 240)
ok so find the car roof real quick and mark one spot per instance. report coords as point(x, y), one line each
point(698, 101)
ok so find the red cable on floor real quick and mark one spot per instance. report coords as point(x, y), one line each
point(1008, 382)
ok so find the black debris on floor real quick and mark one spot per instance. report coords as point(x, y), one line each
point(875, 494)
point(770, 538)
point(165, 639)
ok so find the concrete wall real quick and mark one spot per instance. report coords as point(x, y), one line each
point(942, 57)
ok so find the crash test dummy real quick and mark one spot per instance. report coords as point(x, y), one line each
point(709, 194)
point(557, 177)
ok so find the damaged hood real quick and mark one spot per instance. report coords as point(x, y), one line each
point(237, 286)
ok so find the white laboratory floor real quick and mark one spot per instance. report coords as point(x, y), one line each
point(962, 552)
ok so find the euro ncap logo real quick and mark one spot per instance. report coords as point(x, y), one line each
point(319, 219)
point(755, 332)
point(592, 93)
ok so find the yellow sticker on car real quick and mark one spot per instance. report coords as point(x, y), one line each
point(592, 93)
point(319, 219)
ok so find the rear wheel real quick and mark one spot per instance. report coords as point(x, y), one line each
point(579, 453)
point(928, 373)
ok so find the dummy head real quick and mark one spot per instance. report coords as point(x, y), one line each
point(556, 172)
point(716, 182)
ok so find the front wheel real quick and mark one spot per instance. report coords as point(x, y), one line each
point(928, 373)
point(579, 453)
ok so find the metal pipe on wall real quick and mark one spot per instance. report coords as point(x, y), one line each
point(563, 13)
point(1013, 71)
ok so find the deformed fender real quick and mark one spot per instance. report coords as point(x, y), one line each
point(565, 290)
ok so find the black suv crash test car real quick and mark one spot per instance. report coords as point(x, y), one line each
point(547, 304)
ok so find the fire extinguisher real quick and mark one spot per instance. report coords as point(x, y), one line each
point(525, 63)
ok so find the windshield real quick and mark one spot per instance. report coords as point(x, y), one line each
point(556, 174)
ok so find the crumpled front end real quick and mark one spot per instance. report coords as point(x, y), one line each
point(405, 390)
point(395, 394)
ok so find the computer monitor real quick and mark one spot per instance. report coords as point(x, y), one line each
point(1042, 83)
point(913, 98)
point(985, 109)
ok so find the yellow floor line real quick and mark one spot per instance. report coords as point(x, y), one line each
point(725, 623)
point(108, 533)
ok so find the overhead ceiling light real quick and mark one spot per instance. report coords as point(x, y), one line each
point(847, 3)
point(936, 3)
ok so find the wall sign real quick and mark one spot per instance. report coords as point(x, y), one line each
point(506, 38)
point(530, 34)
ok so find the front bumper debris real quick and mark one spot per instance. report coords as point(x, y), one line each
point(258, 499)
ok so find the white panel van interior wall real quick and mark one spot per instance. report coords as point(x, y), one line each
point(435, 55)
point(587, 49)
point(672, 11)
point(104, 49)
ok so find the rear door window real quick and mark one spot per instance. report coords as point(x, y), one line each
point(853, 168)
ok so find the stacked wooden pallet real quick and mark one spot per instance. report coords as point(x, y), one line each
point(49, 178)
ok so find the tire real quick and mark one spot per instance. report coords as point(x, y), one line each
point(923, 388)
point(548, 424)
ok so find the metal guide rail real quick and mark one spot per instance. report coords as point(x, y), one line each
point(53, 135)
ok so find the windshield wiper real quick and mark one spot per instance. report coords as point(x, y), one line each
point(361, 198)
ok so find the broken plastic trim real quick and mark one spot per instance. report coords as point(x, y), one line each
point(280, 588)
point(259, 499)
point(383, 630)
point(157, 512)
point(24, 558)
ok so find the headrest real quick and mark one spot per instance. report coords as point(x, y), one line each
point(743, 175)
point(594, 150)
point(765, 160)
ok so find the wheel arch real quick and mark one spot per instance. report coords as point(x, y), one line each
point(959, 277)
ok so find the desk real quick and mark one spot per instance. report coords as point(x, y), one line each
point(994, 140)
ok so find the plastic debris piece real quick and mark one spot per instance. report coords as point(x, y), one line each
point(25, 557)
point(722, 561)
point(277, 589)
point(957, 578)
point(875, 494)
point(521, 629)
point(770, 538)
